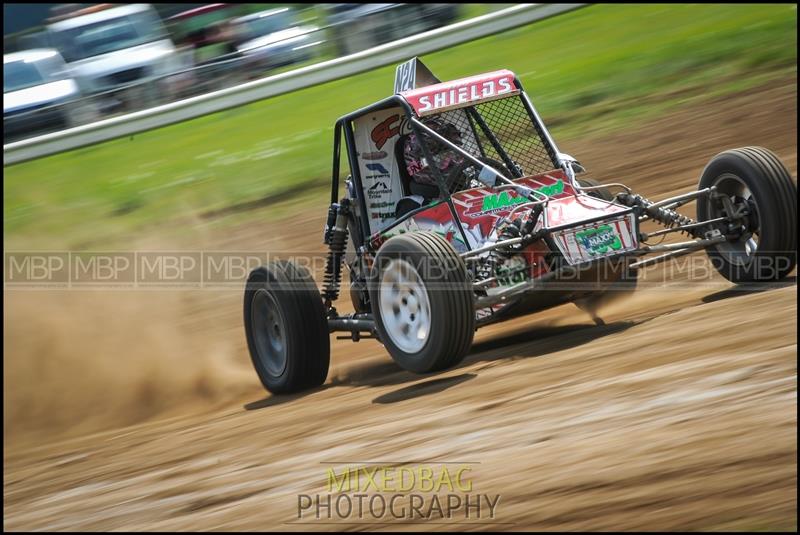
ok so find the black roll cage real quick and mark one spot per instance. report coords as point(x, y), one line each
point(345, 125)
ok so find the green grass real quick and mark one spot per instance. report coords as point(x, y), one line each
point(598, 68)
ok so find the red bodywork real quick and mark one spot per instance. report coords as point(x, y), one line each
point(478, 223)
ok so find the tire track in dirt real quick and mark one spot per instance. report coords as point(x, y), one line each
point(602, 434)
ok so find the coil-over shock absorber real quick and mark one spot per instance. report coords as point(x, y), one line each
point(667, 217)
point(336, 239)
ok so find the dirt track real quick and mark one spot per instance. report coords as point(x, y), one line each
point(679, 413)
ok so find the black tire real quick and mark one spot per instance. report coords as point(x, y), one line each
point(293, 354)
point(601, 193)
point(754, 178)
point(443, 278)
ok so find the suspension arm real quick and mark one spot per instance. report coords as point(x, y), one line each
point(674, 250)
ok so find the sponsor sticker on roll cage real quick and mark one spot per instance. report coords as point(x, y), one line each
point(467, 91)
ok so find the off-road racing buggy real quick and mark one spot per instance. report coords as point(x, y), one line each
point(461, 212)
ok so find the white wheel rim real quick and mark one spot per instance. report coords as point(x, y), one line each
point(405, 307)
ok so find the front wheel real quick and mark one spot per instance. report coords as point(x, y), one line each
point(758, 198)
point(422, 301)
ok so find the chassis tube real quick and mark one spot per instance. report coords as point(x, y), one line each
point(355, 173)
point(531, 284)
point(661, 258)
point(674, 253)
point(417, 127)
point(350, 324)
point(673, 250)
point(471, 112)
point(551, 147)
point(683, 228)
point(682, 199)
point(337, 146)
point(693, 244)
point(475, 161)
point(491, 246)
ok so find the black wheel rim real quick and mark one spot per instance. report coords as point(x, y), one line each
point(269, 332)
point(745, 219)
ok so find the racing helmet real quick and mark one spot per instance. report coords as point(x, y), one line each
point(446, 159)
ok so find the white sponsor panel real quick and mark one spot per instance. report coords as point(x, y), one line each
point(376, 133)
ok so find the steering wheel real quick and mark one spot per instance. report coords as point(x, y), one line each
point(458, 178)
point(498, 166)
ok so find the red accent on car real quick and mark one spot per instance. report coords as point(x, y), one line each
point(385, 131)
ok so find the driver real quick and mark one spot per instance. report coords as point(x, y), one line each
point(449, 161)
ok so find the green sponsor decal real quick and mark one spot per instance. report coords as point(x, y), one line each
point(504, 199)
point(599, 240)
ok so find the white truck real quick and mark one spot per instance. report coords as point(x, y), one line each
point(111, 45)
point(36, 85)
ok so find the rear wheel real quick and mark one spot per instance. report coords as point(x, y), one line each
point(422, 302)
point(286, 328)
point(757, 194)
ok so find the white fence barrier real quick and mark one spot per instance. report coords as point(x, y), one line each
point(396, 51)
